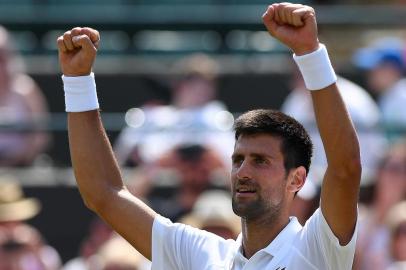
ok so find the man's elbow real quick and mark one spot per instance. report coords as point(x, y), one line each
point(354, 168)
point(350, 169)
point(90, 204)
point(96, 201)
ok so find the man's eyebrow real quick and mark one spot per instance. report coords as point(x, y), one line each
point(261, 155)
point(254, 155)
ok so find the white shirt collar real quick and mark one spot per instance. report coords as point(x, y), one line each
point(285, 237)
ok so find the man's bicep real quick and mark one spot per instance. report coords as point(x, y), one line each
point(131, 218)
point(339, 196)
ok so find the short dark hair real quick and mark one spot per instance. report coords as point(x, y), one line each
point(297, 147)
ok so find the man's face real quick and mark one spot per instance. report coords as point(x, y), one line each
point(258, 177)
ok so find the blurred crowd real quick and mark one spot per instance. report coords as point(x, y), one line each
point(179, 157)
point(23, 110)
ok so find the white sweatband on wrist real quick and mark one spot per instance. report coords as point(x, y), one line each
point(316, 69)
point(80, 93)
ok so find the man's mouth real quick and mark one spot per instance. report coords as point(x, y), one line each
point(245, 191)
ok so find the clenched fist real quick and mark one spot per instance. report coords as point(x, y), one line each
point(294, 25)
point(77, 51)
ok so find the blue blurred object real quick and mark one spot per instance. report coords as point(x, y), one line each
point(388, 50)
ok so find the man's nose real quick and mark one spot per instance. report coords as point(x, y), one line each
point(244, 171)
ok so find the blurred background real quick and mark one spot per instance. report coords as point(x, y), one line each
point(172, 75)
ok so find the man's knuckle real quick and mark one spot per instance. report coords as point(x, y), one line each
point(75, 31)
point(309, 9)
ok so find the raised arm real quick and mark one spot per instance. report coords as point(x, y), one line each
point(96, 170)
point(295, 25)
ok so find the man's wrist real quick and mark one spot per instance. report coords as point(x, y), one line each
point(76, 73)
point(80, 93)
point(316, 69)
point(307, 50)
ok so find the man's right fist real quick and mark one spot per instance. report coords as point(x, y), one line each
point(294, 25)
point(77, 51)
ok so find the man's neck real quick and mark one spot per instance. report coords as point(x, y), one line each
point(258, 234)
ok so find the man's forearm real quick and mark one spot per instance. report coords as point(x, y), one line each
point(336, 129)
point(95, 168)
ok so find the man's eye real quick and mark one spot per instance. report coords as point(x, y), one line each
point(260, 161)
point(237, 161)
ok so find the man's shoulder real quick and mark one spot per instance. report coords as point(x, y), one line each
point(190, 247)
point(186, 233)
point(316, 245)
point(308, 235)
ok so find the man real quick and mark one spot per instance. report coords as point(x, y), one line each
point(270, 164)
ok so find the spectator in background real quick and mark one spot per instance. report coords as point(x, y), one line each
point(193, 117)
point(189, 141)
point(23, 111)
point(99, 233)
point(396, 220)
point(22, 246)
point(118, 254)
point(390, 188)
point(384, 61)
point(174, 182)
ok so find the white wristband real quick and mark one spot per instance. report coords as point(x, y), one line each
point(316, 69)
point(80, 93)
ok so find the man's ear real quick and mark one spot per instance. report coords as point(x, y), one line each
point(297, 178)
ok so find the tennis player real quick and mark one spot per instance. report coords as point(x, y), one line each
point(270, 162)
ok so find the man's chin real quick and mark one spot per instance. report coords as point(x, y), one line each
point(245, 209)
